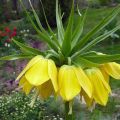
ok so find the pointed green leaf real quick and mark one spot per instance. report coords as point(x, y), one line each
point(28, 49)
point(42, 35)
point(16, 57)
point(84, 63)
point(59, 24)
point(95, 30)
point(99, 39)
point(66, 45)
point(53, 36)
point(37, 19)
point(79, 29)
point(103, 58)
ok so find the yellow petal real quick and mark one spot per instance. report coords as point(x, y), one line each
point(38, 73)
point(46, 89)
point(100, 93)
point(26, 86)
point(29, 65)
point(22, 81)
point(88, 100)
point(113, 69)
point(84, 81)
point(52, 71)
point(106, 76)
point(68, 83)
point(105, 80)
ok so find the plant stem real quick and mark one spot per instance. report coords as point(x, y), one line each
point(67, 115)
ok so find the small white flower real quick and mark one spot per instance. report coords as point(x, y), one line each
point(28, 30)
point(8, 45)
point(5, 44)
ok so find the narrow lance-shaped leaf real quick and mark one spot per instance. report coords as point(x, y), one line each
point(28, 49)
point(17, 56)
point(103, 58)
point(66, 45)
point(79, 29)
point(84, 63)
point(42, 36)
point(99, 39)
point(59, 24)
point(95, 30)
point(37, 19)
point(49, 28)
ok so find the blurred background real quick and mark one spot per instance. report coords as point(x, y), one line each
point(14, 105)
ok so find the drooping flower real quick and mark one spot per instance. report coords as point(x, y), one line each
point(70, 81)
point(100, 80)
point(112, 69)
point(38, 74)
point(101, 88)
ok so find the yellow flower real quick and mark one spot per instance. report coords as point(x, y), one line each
point(112, 69)
point(101, 88)
point(70, 81)
point(26, 86)
point(40, 73)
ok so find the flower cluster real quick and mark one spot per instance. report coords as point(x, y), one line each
point(68, 81)
point(6, 35)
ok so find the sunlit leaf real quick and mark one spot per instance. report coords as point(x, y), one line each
point(16, 57)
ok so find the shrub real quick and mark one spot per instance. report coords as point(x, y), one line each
point(16, 107)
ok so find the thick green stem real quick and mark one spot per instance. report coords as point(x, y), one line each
point(67, 115)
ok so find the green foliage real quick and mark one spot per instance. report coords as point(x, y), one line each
point(49, 6)
point(94, 3)
point(118, 1)
point(2, 17)
point(104, 2)
point(16, 107)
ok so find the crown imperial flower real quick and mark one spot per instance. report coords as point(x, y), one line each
point(68, 67)
point(38, 74)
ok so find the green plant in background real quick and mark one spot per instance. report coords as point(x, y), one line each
point(104, 2)
point(68, 68)
point(49, 7)
point(94, 3)
point(2, 17)
point(16, 107)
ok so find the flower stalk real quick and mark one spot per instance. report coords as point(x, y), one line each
point(68, 115)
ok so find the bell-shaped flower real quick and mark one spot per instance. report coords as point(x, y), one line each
point(70, 81)
point(101, 88)
point(25, 85)
point(41, 73)
point(112, 69)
